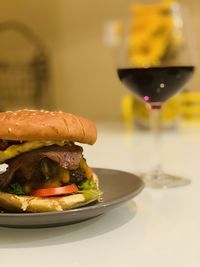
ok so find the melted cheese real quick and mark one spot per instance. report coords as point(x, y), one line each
point(15, 150)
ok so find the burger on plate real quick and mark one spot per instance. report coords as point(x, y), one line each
point(45, 168)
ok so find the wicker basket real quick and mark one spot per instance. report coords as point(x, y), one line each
point(23, 83)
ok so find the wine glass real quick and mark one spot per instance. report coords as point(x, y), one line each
point(155, 79)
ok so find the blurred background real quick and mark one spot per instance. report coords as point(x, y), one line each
point(58, 55)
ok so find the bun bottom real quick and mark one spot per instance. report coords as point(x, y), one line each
point(17, 203)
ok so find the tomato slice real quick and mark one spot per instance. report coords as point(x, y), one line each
point(47, 192)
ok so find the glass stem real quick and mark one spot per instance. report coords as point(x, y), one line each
point(156, 136)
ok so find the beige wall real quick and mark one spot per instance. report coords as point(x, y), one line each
point(83, 69)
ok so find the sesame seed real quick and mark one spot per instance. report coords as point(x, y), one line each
point(17, 123)
point(9, 130)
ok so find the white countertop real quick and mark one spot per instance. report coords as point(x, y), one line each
point(157, 228)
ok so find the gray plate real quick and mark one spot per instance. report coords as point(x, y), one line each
point(117, 187)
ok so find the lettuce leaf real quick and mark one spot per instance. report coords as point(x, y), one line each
point(90, 190)
point(16, 189)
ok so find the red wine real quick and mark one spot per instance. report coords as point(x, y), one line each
point(155, 84)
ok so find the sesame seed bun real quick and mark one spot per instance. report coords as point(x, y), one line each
point(29, 125)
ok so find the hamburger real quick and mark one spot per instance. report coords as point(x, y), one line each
point(45, 169)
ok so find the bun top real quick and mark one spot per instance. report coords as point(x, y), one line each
point(29, 125)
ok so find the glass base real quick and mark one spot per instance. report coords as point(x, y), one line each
point(157, 179)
